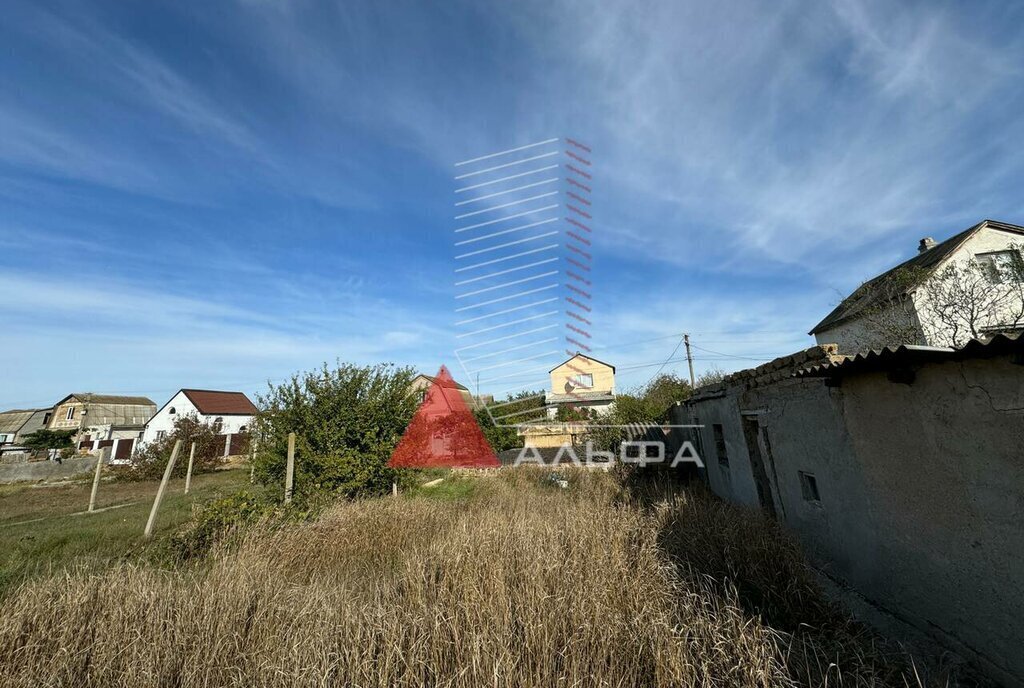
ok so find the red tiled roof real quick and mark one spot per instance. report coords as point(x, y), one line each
point(220, 403)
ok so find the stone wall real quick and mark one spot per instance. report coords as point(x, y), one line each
point(36, 471)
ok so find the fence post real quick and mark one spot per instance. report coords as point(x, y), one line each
point(289, 474)
point(96, 482)
point(227, 445)
point(188, 473)
point(160, 490)
point(394, 488)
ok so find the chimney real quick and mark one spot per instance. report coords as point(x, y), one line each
point(926, 243)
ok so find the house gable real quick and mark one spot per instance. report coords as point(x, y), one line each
point(875, 292)
point(574, 374)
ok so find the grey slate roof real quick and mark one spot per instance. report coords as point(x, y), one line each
point(874, 292)
point(12, 421)
point(889, 357)
point(109, 399)
point(110, 409)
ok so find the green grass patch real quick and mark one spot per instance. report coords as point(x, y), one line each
point(454, 486)
point(42, 529)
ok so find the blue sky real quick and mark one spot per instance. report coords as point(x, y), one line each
point(218, 194)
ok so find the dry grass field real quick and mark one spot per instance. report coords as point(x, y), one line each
point(498, 581)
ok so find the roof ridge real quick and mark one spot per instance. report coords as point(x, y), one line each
point(928, 261)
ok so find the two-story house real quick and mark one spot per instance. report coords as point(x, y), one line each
point(102, 416)
point(966, 286)
point(581, 383)
point(582, 389)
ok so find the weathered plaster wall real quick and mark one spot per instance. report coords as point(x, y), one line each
point(733, 482)
point(921, 491)
point(943, 462)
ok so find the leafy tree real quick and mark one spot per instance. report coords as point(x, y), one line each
point(711, 376)
point(50, 440)
point(524, 407)
point(347, 421)
point(665, 390)
point(150, 460)
point(568, 413)
point(969, 299)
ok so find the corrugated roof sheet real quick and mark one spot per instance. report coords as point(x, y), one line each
point(12, 421)
point(877, 359)
point(874, 290)
point(112, 399)
point(216, 403)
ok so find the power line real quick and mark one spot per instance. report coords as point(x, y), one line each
point(678, 344)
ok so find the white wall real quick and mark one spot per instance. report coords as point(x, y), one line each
point(985, 241)
point(856, 335)
point(164, 419)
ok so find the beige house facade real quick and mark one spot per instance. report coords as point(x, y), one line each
point(102, 416)
point(580, 387)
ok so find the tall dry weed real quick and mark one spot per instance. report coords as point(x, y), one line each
point(520, 585)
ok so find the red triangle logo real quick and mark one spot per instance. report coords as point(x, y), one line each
point(443, 432)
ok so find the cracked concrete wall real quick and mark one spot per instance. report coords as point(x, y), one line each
point(942, 463)
point(921, 491)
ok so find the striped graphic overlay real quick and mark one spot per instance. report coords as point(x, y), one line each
point(522, 237)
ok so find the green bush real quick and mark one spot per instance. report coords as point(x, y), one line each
point(214, 520)
point(522, 408)
point(347, 421)
point(150, 460)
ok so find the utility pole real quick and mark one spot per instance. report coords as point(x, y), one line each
point(689, 360)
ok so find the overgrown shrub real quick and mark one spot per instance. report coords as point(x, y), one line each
point(347, 421)
point(150, 461)
point(523, 407)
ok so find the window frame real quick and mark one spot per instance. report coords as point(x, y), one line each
point(809, 489)
point(581, 380)
point(721, 448)
point(999, 271)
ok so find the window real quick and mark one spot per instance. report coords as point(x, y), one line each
point(583, 380)
point(809, 487)
point(70, 414)
point(1001, 266)
point(218, 424)
point(171, 411)
point(160, 434)
point(720, 448)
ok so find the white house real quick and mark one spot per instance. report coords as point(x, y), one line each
point(227, 412)
point(896, 305)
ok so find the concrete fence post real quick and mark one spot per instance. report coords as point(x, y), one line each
point(160, 490)
point(188, 472)
point(289, 474)
point(96, 482)
point(227, 444)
